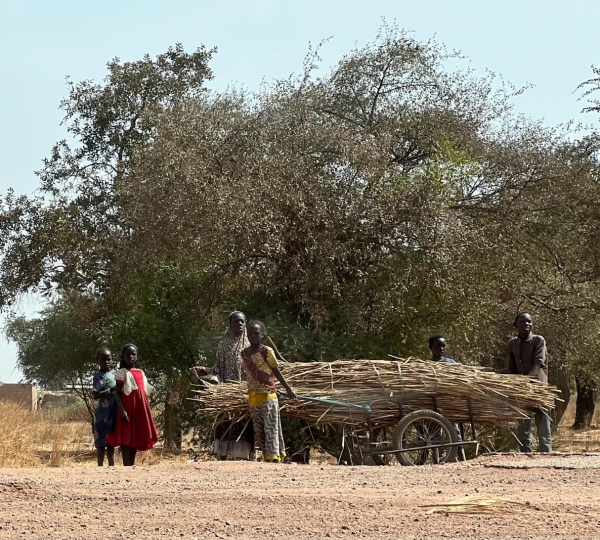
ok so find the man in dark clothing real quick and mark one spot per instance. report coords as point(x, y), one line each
point(527, 356)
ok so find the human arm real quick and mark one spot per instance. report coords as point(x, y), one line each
point(279, 376)
point(99, 384)
point(219, 368)
point(512, 361)
point(119, 401)
point(273, 364)
point(102, 393)
point(540, 358)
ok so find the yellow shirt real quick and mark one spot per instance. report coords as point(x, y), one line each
point(259, 370)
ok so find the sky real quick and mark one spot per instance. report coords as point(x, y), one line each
point(550, 44)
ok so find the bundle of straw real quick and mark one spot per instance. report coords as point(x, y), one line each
point(478, 504)
point(382, 384)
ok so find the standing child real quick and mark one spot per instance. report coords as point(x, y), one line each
point(527, 356)
point(261, 371)
point(103, 389)
point(135, 430)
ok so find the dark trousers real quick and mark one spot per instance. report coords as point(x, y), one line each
point(544, 431)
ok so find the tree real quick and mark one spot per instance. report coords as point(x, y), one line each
point(73, 236)
point(72, 241)
point(357, 212)
point(56, 350)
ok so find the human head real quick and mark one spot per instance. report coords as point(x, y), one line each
point(523, 324)
point(129, 355)
point(104, 359)
point(437, 345)
point(237, 323)
point(256, 331)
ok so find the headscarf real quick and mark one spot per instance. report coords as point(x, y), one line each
point(229, 355)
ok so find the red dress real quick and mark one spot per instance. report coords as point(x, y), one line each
point(140, 432)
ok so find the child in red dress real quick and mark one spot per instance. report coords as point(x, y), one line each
point(135, 430)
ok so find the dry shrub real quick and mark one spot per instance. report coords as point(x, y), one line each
point(19, 432)
point(158, 455)
point(151, 457)
point(41, 438)
point(59, 440)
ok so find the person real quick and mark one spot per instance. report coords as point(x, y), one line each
point(232, 439)
point(103, 389)
point(135, 430)
point(527, 355)
point(437, 346)
point(261, 371)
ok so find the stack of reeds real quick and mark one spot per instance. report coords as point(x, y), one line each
point(384, 385)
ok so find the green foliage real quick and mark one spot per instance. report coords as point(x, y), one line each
point(355, 213)
point(58, 347)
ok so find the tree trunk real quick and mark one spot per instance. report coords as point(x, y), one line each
point(586, 396)
point(172, 424)
point(560, 378)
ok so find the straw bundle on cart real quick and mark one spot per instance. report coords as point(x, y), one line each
point(382, 384)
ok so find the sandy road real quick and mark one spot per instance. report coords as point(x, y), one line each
point(240, 500)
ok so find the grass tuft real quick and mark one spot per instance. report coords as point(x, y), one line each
point(19, 431)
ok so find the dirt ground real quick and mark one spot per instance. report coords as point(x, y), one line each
point(523, 497)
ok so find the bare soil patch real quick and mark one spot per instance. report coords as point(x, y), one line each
point(531, 497)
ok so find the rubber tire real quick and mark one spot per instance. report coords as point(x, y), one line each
point(424, 414)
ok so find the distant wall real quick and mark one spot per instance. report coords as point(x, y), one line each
point(25, 394)
point(58, 399)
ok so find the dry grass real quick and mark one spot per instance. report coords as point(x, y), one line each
point(58, 438)
point(57, 454)
point(30, 439)
point(494, 399)
point(477, 504)
point(19, 431)
point(570, 440)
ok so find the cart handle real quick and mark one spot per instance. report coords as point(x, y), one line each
point(365, 408)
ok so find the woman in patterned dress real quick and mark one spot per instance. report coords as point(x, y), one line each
point(233, 440)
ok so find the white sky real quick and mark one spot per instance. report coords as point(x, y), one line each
point(550, 44)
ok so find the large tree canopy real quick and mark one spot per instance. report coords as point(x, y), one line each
point(356, 211)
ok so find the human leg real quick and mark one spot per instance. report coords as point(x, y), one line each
point(524, 435)
point(249, 436)
point(259, 431)
point(544, 431)
point(100, 456)
point(282, 453)
point(110, 454)
point(128, 455)
point(274, 444)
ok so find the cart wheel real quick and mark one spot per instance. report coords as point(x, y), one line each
point(424, 428)
point(380, 437)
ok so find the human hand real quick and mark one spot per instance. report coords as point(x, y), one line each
point(124, 416)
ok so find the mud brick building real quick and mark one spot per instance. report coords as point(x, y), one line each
point(25, 394)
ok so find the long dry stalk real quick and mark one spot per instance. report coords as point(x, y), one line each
point(58, 445)
point(19, 429)
point(477, 504)
point(383, 385)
